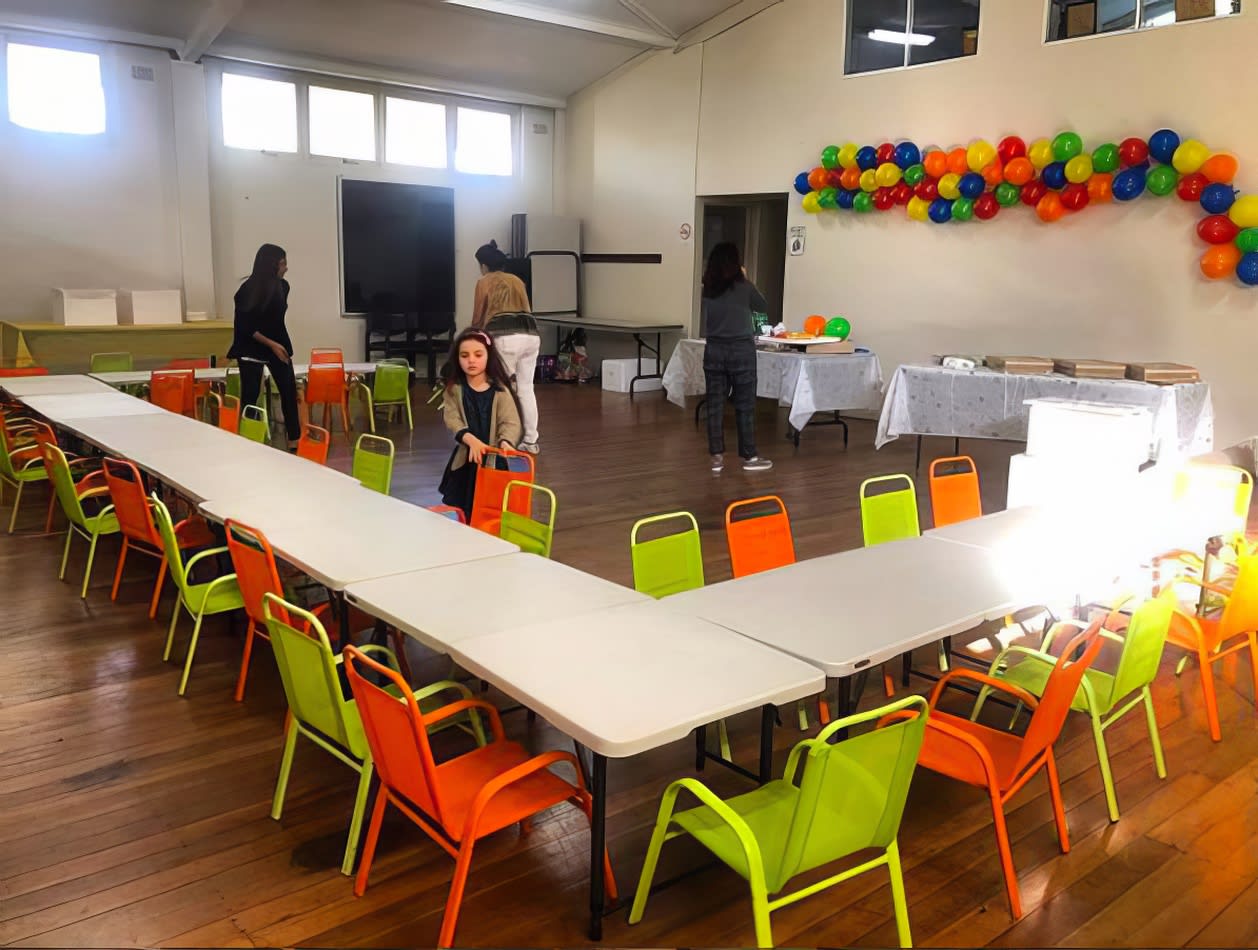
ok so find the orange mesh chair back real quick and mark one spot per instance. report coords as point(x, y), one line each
point(258, 575)
point(463, 799)
point(497, 469)
point(174, 390)
point(23, 371)
point(314, 443)
point(758, 532)
point(954, 494)
point(328, 386)
point(228, 412)
point(326, 354)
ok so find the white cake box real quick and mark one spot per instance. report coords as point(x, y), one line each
point(617, 374)
point(150, 307)
point(1061, 428)
point(84, 308)
point(1075, 480)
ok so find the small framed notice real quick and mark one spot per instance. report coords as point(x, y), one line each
point(798, 235)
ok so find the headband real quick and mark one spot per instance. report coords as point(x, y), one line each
point(482, 336)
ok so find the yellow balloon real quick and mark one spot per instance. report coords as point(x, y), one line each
point(949, 186)
point(1190, 156)
point(847, 155)
point(888, 175)
point(1079, 169)
point(1244, 212)
point(919, 209)
point(979, 155)
point(1040, 153)
point(812, 202)
point(869, 180)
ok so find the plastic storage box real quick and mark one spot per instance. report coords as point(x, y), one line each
point(85, 308)
point(617, 374)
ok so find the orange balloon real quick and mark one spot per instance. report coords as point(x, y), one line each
point(994, 174)
point(935, 164)
point(958, 161)
point(815, 325)
point(1019, 171)
point(817, 178)
point(1220, 168)
point(1220, 261)
point(1101, 187)
point(1051, 209)
point(850, 179)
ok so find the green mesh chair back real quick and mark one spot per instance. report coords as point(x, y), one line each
point(254, 424)
point(524, 531)
point(392, 383)
point(373, 462)
point(58, 471)
point(111, 363)
point(1142, 646)
point(889, 515)
point(670, 564)
point(170, 544)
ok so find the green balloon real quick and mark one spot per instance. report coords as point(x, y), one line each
point(1066, 146)
point(863, 201)
point(962, 209)
point(914, 174)
point(1007, 194)
point(837, 326)
point(827, 198)
point(830, 156)
point(1162, 180)
point(1247, 240)
point(1105, 157)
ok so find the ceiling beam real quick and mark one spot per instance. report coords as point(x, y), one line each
point(213, 20)
point(85, 31)
point(647, 17)
point(723, 21)
point(538, 14)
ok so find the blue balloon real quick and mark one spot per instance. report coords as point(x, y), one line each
point(941, 211)
point(1162, 145)
point(1247, 269)
point(1216, 199)
point(1054, 175)
point(801, 183)
point(906, 154)
point(844, 199)
point(971, 185)
point(1128, 184)
point(867, 158)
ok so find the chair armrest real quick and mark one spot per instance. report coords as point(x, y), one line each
point(751, 847)
point(903, 705)
point(93, 492)
point(453, 709)
point(510, 777)
point(1017, 692)
point(201, 555)
point(96, 475)
point(972, 743)
point(390, 659)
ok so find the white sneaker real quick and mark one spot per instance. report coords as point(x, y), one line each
point(531, 447)
point(756, 464)
point(718, 463)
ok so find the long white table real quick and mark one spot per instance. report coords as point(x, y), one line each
point(65, 407)
point(137, 377)
point(19, 387)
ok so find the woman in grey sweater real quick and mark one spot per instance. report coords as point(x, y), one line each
point(729, 359)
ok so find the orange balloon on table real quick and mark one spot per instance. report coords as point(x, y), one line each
point(1220, 261)
point(1050, 208)
point(1019, 171)
point(935, 164)
point(1221, 168)
point(851, 178)
point(815, 325)
point(994, 174)
point(1101, 187)
point(958, 161)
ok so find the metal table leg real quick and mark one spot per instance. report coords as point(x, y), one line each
point(598, 841)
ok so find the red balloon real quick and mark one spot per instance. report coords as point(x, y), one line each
point(883, 199)
point(1075, 197)
point(1010, 147)
point(817, 178)
point(1191, 186)
point(986, 206)
point(1133, 151)
point(927, 189)
point(834, 178)
point(1217, 229)
point(1032, 192)
point(886, 153)
point(902, 193)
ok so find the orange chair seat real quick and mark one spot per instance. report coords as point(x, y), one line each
point(1182, 634)
point(949, 756)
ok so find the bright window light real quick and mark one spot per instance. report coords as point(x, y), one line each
point(259, 114)
point(484, 142)
point(55, 90)
point(342, 124)
point(415, 133)
point(890, 36)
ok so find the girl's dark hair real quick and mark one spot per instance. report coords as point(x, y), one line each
point(495, 368)
point(724, 270)
point(490, 256)
point(263, 284)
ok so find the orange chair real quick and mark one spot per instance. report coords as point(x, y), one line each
point(201, 388)
point(451, 512)
point(1212, 638)
point(174, 390)
point(43, 434)
point(228, 411)
point(326, 354)
point(461, 800)
point(314, 443)
point(491, 485)
point(139, 532)
point(954, 494)
point(758, 540)
point(328, 386)
point(1003, 762)
point(23, 371)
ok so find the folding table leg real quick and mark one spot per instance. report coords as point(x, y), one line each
point(598, 839)
point(768, 717)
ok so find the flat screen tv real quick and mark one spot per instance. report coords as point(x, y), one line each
point(397, 247)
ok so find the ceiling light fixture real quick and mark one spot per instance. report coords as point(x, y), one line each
point(890, 36)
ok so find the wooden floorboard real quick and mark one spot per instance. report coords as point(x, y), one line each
point(131, 817)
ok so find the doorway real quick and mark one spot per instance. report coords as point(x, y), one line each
point(756, 225)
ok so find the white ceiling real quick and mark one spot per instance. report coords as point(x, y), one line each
point(527, 50)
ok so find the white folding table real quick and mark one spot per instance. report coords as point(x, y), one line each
point(62, 407)
point(19, 387)
point(139, 377)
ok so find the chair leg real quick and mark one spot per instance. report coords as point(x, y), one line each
point(461, 866)
point(52, 509)
point(1006, 854)
point(286, 768)
point(802, 710)
point(1207, 691)
point(244, 661)
point(344, 415)
point(122, 560)
point(1102, 759)
point(1054, 794)
point(722, 733)
point(17, 503)
point(157, 588)
point(369, 846)
point(760, 912)
point(399, 650)
point(410, 421)
point(1155, 739)
point(192, 652)
point(888, 683)
point(87, 571)
point(65, 553)
point(652, 856)
point(356, 819)
point(170, 632)
point(898, 899)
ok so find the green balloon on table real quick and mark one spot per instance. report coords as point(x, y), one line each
point(1247, 241)
point(1105, 157)
point(962, 209)
point(830, 156)
point(1066, 146)
point(837, 326)
point(914, 174)
point(1007, 194)
point(863, 201)
point(828, 198)
point(1162, 180)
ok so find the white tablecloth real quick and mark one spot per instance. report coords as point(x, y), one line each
point(823, 382)
point(983, 404)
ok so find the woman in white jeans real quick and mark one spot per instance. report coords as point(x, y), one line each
point(501, 307)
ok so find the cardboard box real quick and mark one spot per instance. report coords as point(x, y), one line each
point(1193, 9)
point(150, 307)
point(1080, 19)
point(969, 42)
point(1164, 373)
point(816, 344)
point(85, 308)
point(1104, 435)
point(1032, 365)
point(1091, 369)
point(618, 374)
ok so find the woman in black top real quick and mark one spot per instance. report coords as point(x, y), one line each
point(261, 338)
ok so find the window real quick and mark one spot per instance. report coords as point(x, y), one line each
point(342, 124)
point(483, 142)
point(414, 133)
point(259, 114)
point(887, 34)
point(1071, 18)
point(55, 90)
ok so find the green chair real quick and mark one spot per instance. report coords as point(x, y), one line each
point(390, 388)
point(219, 596)
point(889, 515)
point(373, 462)
point(849, 797)
point(231, 381)
point(667, 565)
point(320, 710)
point(254, 424)
point(1105, 697)
point(111, 363)
point(19, 464)
point(70, 497)
point(530, 535)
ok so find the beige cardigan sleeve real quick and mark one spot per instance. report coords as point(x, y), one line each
point(507, 425)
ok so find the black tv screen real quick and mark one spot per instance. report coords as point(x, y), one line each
point(397, 247)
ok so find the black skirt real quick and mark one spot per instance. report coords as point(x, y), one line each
point(458, 486)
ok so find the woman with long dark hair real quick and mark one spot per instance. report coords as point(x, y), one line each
point(729, 359)
point(261, 337)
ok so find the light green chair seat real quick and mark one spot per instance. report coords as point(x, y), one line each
point(764, 812)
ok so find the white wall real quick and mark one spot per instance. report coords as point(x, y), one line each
point(1118, 282)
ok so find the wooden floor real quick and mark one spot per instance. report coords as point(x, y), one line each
point(130, 817)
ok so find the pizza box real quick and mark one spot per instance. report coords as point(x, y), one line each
point(810, 344)
point(1033, 365)
point(1166, 373)
point(1091, 369)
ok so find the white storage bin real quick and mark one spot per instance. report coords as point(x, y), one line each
point(1076, 480)
point(617, 374)
point(84, 308)
point(150, 307)
point(1061, 428)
